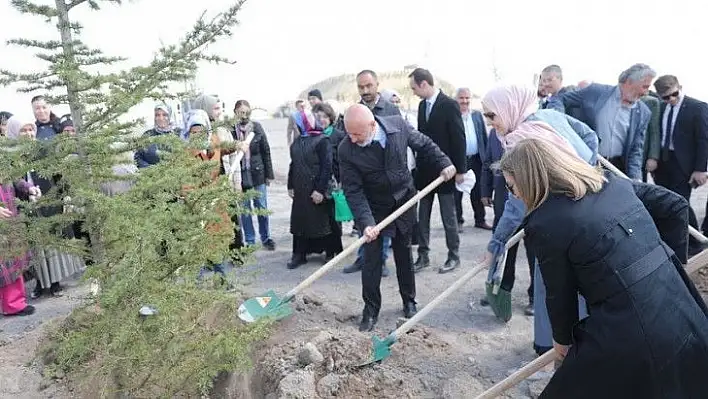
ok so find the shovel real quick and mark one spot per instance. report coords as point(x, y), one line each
point(270, 305)
point(612, 168)
point(382, 347)
point(500, 302)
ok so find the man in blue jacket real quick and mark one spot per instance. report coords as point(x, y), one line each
point(617, 115)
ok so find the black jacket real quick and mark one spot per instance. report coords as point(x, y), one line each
point(261, 163)
point(376, 181)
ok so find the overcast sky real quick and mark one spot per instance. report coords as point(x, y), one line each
point(282, 46)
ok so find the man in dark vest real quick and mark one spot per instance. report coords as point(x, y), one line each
point(376, 181)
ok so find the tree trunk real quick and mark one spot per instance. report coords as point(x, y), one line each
point(64, 26)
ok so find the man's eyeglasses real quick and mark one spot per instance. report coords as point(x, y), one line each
point(669, 96)
point(489, 115)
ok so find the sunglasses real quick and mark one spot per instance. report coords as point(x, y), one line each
point(489, 115)
point(668, 96)
point(509, 187)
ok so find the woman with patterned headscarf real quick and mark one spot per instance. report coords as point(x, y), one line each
point(164, 124)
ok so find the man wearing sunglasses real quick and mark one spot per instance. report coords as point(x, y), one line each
point(684, 145)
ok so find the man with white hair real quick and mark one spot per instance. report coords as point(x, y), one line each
point(617, 115)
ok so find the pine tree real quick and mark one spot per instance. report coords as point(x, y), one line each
point(147, 244)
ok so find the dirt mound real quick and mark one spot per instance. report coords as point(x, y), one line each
point(309, 359)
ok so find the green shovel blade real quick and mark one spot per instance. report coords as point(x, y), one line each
point(268, 305)
point(381, 348)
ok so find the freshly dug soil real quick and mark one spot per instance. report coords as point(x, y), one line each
point(315, 352)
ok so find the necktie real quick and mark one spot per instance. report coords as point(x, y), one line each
point(667, 138)
point(428, 108)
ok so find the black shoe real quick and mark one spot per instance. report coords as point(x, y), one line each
point(353, 268)
point(409, 309)
point(28, 310)
point(528, 310)
point(367, 323)
point(269, 244)
point(385, 272)
point(484, 302)
point(421, 263)
point(329, 256)
point(450, 265)
point(297, 261)
point(483, 226)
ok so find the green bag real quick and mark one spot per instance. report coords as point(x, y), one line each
point(342, 213)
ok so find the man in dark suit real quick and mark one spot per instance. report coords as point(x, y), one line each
point(684, 144)
point(475, 151)
point(440, 119)
point(376, 181)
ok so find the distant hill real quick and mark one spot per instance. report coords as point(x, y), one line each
point(342, 88)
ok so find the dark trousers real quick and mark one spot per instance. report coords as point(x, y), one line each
point(498, 201)
point(474, 162)
point(619, 163)
point(509, 276)
point(449, 220)
point(371, 271)
point(669, 175)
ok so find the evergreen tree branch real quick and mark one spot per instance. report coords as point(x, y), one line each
point(28, 7)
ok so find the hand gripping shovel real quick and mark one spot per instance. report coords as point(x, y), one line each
point(382, 347)
point(270, 305)
point(612, 168)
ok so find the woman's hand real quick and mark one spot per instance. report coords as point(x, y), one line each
point(561, 350)
point(316, 197)
point(487, 259)
point(5, 213)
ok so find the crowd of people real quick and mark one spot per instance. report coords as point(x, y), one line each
point(606, 255)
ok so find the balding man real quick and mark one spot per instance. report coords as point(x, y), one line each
point(376, 181)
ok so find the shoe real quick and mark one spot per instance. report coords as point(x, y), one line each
point(484, 302)
point(367, 323)
point(37, 292)
point(329, 256)
point(483, 226)
point(409, 309)
point(353, 268)
point(28, 310)
point(385, 272)
point(450, 265)
point(269, 244)
point(55, 290)
point(528, 310)
point(421, 263)
point(297, 261)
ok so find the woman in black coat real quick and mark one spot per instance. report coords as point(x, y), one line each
point(646, 335)
point(256, 174)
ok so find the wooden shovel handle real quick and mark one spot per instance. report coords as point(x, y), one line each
point(454, 287)
point(607, 164)
point(356, 244)
point(518, 376)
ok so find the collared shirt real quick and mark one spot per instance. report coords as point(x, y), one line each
point(665, 118)
point(372, 105)
point(470, 134)
point(380, 135)
point(429, 102)
point(613, 125)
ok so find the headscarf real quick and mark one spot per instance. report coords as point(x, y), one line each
point(170, 116)
point(514, 104)
point(205, 103)
point(197, 117)
point(388, 94)
point(307, 123)
point(15, 124)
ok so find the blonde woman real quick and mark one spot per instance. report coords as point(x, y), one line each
point(647, 330)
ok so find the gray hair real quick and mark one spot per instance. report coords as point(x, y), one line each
point(554, 69)
point(461, 89)
point(636, 72)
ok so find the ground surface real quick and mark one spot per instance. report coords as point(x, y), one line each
point(457, 353)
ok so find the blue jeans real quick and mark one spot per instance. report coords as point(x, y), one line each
point(386, 247)
point(260, 202)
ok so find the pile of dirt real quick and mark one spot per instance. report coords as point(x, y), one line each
point(309, 359)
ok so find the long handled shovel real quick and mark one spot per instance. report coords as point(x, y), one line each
point(500, 300)
point(694, 264)
point(382, 347)
point(692, 231)
point(270, 305)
